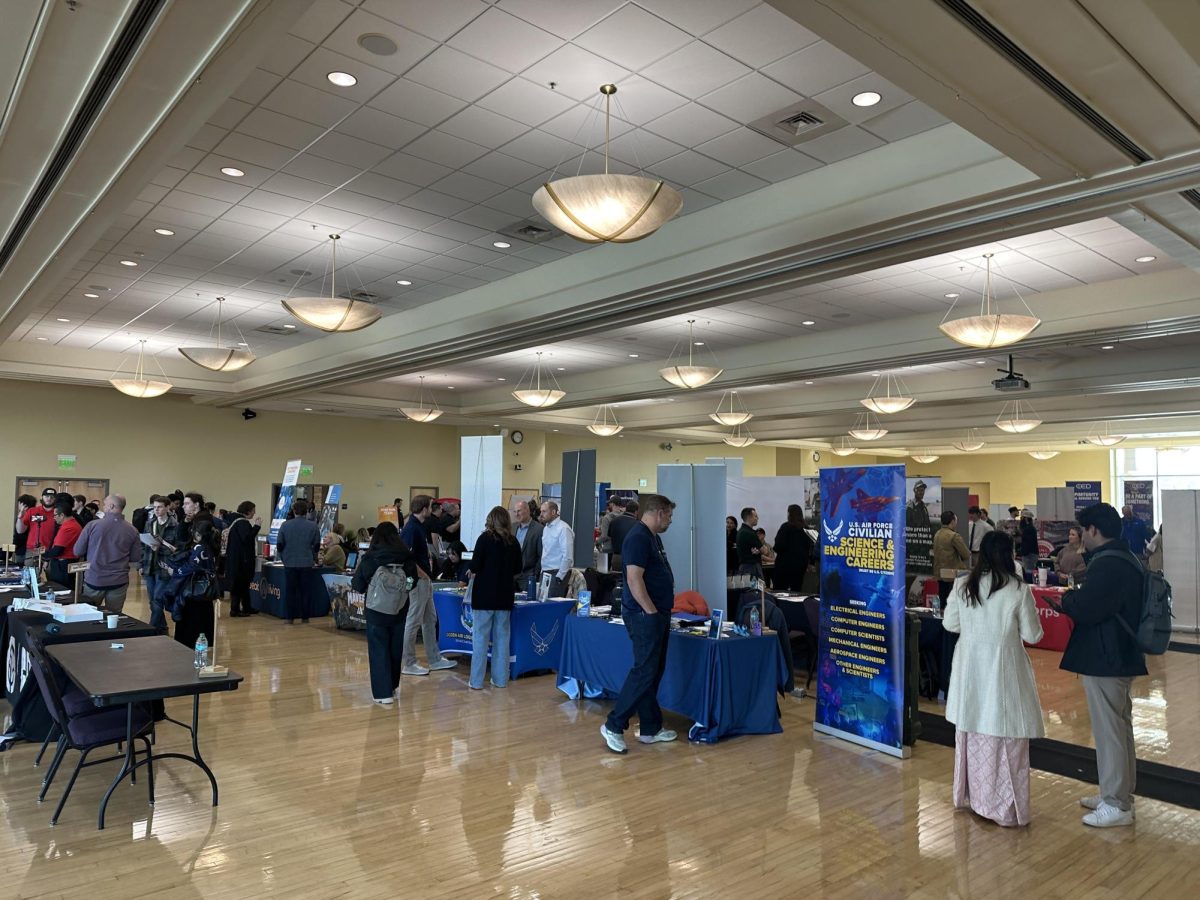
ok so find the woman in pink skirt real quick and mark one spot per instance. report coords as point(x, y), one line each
point(993, 700)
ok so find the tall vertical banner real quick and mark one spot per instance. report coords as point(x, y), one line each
point(922, 517)
point(330, 510)
point(291, 474)
point(860, 661)
point(1140, 496)
point(1086, 493)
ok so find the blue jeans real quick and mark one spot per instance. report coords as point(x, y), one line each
point(158, 613)
point(639, 694)
point(490, 624)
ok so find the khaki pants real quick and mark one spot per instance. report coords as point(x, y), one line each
point(110, 598)
point(422, 616)
point(1111, 710)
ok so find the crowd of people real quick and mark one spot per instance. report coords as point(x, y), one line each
point(791, 555)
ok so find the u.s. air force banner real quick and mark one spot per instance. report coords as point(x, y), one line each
point(860, 663)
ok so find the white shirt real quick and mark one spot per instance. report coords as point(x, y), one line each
point(975, 532)
point(558, 548)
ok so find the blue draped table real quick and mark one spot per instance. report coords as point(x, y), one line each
point(535, 633)
point(268, 587)
point(727, 686)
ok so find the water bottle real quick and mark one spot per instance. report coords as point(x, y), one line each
point(201, 652)
point(755, 622)
point(584, 608)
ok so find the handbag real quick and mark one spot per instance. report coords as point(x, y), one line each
point(201, 586)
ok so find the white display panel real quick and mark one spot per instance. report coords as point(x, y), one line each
point(695, 542)
point(482, 476)
point(1180, 534)
point(770, 495)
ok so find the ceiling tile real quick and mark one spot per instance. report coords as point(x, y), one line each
point(576, 72)
point(730, 184)
point(483, 127)
point(760, 36)
point(695, 70)
point(841, 144)
point(252, 150)
point(689, 167)
point(526, 102)
point(321, 62)
point(434, 202)
point(326, 174)
point(379, 127)
point(355, 203)
point(541, 148)
point(349, 150)
point(698, 17)
point(445, 149)
point(839, 99)
point(207, 137)
point(285, 53)
point(215, 188)
point(750, 98)
point(229, 114)
point(374, 184)
point(584, 124)
point(467, 187)
point(736, 148)
point(782, 165)
point(514, 202)
point(642, 149)
point(815, 69)
point(632, 37)
point(639, 100)
point(257, 85)
point(502, 168)
point(243, 215)
point(565, 18)
point(320, 19)
point(485, 217)
point(436, 20)
point(417, 103)
point(410, 46)
point(460, 232)
point(694, 201)
point(691, 125)
point(279, 129)
point(203, 206)
point(308, 104)
point(409, 218)
point(912, 118)
point(505, 41)
point(412, 169)
point(460, 75)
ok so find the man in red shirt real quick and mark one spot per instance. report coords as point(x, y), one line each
point(63, 550)
point(39, 523)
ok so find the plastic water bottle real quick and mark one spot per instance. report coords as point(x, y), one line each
point(584, 608)
point(201, 652)
point(755, 622)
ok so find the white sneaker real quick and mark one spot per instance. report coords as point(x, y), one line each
point(663, 736)
point(1107, 816)
point(614, 739)
point(384, 701)
point(414, 669)
point(1094, 801)
point(443, 663)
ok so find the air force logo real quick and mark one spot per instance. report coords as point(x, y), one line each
point(832, 534)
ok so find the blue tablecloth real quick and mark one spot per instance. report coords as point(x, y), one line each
point(727, 687)
point(268, 586)
point(536, 630)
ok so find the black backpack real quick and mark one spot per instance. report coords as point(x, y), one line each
point(1154, 622)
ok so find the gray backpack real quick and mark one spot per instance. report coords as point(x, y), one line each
point(388, 590)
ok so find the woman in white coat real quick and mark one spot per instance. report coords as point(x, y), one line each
point(993, 700)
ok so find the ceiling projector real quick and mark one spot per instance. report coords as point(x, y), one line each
point(1011, 381)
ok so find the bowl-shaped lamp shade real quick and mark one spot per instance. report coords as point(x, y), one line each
point(140, 387)
point(1105, 440)
point(739, 440)
point(969, 446)
point(539, 397)
point(985, 332)
point(218, 359)
point(1018, 425)
point(925, 457)
point(421, 413)
point(845, 451)
point(332, 313)
point(731, 417)
point(1043, 454)
point(868, 434)
point(689, 377)
point(605, 429)
point(888, 405)
point(607, 208)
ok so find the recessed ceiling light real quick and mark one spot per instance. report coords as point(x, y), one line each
point(808, 382)
point(43, 339)
point(502, 379)
point(232, 172)
point(552, 429)
point(1105, 347)
point(128, 262)
point(1146, 259)
point(308, 409)
point(404, 282)
point(449, 387)
point(166, 232)
point(61, 319)
point(503, 245)
point(289, 327)
point(633, 356)
point(808, 322)
point(243, 344)
point(950, 296)
point(866, 98)
point(981, 362)
point(562, 368)
point(342, 79)
point(92, 296)
point(698, 343)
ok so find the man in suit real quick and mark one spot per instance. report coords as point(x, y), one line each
point(529, 536)
point(977, 527)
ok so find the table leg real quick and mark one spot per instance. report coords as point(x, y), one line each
point(126, 767)
point(196, 745)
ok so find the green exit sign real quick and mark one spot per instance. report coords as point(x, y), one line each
point(306, 471)
point(66, 462)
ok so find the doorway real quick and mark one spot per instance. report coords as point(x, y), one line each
point(92, 488)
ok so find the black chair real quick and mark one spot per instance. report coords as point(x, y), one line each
point(87, 730)
point(812, 610)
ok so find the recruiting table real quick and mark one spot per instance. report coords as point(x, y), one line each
point(268, 591)
point(536, 630)
point(727, 687)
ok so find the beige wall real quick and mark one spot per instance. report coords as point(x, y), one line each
point(1001, 479)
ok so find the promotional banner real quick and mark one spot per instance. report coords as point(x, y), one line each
point(1140, 496)
point(922, 517)
point(330, 510)
point(1086, 493)
point(860, 663)
point(291, 474)
point(390, 514)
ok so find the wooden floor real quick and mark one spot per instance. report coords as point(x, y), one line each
point(454, 793)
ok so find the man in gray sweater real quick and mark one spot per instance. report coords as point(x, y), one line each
point(298, 545)
point(111, 545)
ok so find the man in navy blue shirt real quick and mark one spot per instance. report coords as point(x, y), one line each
point(422, 614)
point(646, 609)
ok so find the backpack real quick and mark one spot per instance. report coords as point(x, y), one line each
point(1154, 623)
point(225, 539)
point(388, 590)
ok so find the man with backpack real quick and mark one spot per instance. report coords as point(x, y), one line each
point(1104, 648)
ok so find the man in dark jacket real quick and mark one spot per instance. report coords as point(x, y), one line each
point(1108, 658)
point(529, 536)
point(298, 545)
point(239, 557)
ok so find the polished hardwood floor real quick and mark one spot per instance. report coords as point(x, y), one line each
point(455, 793)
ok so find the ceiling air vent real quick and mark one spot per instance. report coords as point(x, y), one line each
point(274, 329)
point(798, 123)
point(364, 296)
point(532, 231)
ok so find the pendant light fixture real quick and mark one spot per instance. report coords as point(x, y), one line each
point(333, 313)
point(609, 207)
point(970, 443)
point(688, 375)
point(1016, 418)
point(735, 414)
point(925, 456)
point(1044, 454)
point(218, 358)
point(990, 329)
point(1100, 434)
point(890, 402)
point(843, 447)
point(739, 437)
point(139, 385)
point(867, 428)
point(605, 423)
point(421, 412)
point(536, 393)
